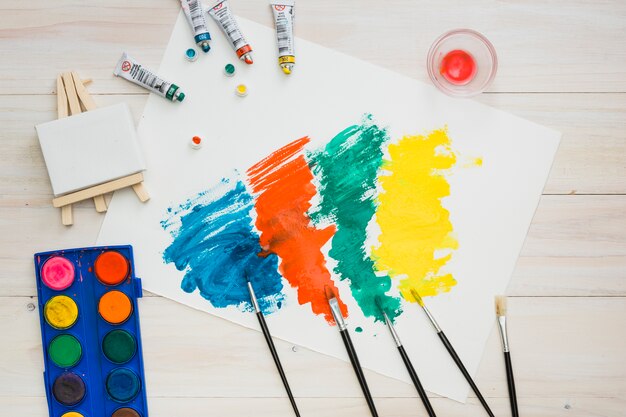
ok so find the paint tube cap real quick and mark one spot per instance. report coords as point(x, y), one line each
point(180, 96)
point(191, 54)
point(241, 90)
point(196, 142)
point(229, 70)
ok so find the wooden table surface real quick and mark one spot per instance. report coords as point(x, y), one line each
point(562, 64)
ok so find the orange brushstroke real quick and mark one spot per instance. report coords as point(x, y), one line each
point(284, 186)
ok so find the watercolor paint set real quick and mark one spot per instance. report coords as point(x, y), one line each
point(90, 332)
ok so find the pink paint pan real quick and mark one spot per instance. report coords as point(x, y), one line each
point(58, 273)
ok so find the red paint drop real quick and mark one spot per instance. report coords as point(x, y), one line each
point(196, 140)
point(458, 67)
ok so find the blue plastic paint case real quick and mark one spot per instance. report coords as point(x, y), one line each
point(94, 368)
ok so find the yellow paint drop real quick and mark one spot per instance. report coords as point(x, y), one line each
point(61, 312)
point(416, 238)
point(473, 162)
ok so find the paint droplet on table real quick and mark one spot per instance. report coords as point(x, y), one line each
point(122, 385)
point(65, 351)
point(458, 67)
point(30, 307)
point(358, 330)
point(191, 54)
point(229, 70)
point(294, 348)
point(115, 307)
point(61, 312)
point(111, 268)
point(68, 389)
point(119, 346)
point(241, 90)
point(57, 273)
point(125, 412)
point(196, 142)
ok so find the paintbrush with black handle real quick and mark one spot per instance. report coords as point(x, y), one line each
point(452, 352)
point(407, 362)
point(270, 344)
point(343, 330)
point(501, 315)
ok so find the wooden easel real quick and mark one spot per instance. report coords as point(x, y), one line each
point(71, 93)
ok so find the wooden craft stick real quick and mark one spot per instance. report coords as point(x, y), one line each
point(141, 192)
point(88, 104)
point(100, 203)
point(70, 90)
point(84, 96)
point(97, 190)
point(61, 99)
point(66, 215)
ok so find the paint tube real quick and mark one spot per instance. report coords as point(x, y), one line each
point(283, 20)
point(195, 16)
point(134, 72)
point(224, 17)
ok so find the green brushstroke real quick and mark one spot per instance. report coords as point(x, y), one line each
point(347, 169)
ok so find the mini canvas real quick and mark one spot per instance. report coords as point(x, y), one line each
point(90, 148)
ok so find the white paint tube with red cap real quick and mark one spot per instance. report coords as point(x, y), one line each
point(221, 12)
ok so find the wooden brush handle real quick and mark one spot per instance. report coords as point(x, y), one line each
point(511, 384)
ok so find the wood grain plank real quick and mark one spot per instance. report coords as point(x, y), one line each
point(556, 46)
point(591, 158)
point(344, 407)
point(191, 354)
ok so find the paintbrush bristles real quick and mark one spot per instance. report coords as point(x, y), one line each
point(417, 297)
point(500, 305)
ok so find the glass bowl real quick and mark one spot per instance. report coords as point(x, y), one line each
point(462, 46)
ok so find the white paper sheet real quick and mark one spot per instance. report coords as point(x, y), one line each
point(491, 207)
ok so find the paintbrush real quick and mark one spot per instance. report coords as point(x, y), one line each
point(452, 352)
point(407, 361)
point(501, 315)
point(270, 344)
point(343, 330)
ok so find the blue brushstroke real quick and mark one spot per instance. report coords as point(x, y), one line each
point(215, 244)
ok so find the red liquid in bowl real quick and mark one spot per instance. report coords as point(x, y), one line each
point(458, 67)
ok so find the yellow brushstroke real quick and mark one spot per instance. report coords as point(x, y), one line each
point(416, 238)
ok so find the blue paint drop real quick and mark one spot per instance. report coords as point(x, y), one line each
point(215, 243)
point(358, 330)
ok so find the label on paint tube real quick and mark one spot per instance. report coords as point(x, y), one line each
point(224, 17)
point(195, 16)
point(283, 20)
point(134, 72)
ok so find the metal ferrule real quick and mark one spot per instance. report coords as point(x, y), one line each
point(432, 319)
point(255, 303)
point(503, 334)
point(334, 308)
point(392, 329)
